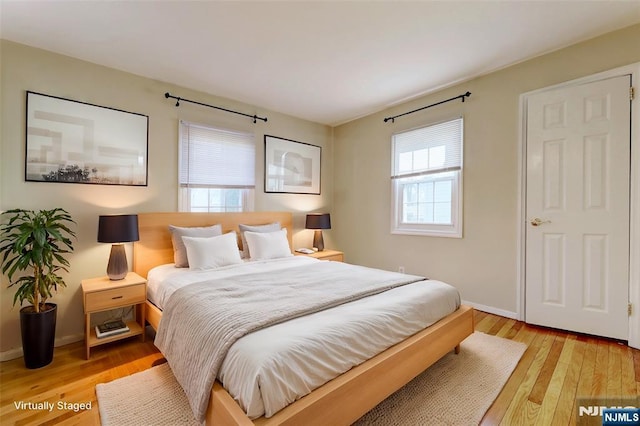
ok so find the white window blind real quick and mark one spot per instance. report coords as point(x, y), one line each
point(428, 150)
point(426, 177)
point(216, 158)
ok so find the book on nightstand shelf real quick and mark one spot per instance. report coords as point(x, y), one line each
point(111, 328)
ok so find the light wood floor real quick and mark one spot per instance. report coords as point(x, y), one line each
point(555, 368)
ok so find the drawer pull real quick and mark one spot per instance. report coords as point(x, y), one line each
point(117, 297)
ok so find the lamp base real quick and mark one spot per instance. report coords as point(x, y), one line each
point(117, 268)
point(318, 241)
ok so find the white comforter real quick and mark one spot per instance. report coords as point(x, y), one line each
point(268, 369)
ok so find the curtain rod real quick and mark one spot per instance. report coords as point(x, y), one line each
point(465, 95)
point(178, 99)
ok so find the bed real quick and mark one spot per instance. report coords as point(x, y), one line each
point(341, 400)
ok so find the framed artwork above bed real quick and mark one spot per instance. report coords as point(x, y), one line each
point(291, 167)
point(77, 142)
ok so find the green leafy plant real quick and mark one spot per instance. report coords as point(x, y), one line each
point(35, 241)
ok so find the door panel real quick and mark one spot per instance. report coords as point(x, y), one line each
point(577, 239)
point(554, 253)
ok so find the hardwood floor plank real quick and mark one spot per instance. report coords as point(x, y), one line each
point(567, 402)
point(514, 330)
point(636, 364)
point(86, 418)
point(497, 326)
point(506, 328)
point(517, 413)
point(599, 385)
point(614, 378)
point(527, 416)
point(585, 382)
point(540, 388)
point(628, 383)
point(552, 394)
point(486, 323)
point(478, 315)
point(525, 334)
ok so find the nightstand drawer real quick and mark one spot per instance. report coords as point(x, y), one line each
point(334, 257)
point(107, 299)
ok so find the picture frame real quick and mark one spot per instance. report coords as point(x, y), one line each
point(70, 141)
point(291, 167)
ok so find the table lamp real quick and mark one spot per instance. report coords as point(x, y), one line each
point(118, 229)
point(318, 222)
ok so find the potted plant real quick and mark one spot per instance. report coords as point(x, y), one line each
point(36, 242)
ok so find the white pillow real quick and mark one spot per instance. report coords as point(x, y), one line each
point(268, 245)
point(177, 232)
point(270, 227)
point(214, 252)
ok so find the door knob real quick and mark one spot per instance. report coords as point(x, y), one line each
point(537, 221)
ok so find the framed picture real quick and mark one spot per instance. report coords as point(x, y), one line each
point(76, 142)
point(290, 166)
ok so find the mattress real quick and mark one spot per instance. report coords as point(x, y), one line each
point(271, 368)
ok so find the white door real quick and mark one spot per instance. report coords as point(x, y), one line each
point(577, 239)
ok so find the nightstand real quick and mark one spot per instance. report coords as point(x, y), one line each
point(335, 255)
point(102, 294)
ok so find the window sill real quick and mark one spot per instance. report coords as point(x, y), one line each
point(427, 233)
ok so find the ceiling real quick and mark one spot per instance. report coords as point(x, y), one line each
point(324, 61)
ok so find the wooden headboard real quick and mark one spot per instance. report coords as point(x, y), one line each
point(154, 247)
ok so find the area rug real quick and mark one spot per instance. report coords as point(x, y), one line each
point(456, 390)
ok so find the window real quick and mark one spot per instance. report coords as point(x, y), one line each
point(426, 180)
point(217, 169)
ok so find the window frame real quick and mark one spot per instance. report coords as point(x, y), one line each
point(452, 230)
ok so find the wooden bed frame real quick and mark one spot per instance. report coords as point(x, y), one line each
point(342, 400)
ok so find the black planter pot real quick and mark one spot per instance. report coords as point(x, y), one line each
point(38, 335)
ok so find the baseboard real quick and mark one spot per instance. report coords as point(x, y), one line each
point(491, 310)
point(17, 352)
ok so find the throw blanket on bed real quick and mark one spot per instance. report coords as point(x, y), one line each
point(201, 321)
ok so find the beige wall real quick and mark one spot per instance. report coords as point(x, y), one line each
point(24, 68)
point(483, 263)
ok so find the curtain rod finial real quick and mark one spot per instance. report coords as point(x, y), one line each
point(166, 95)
